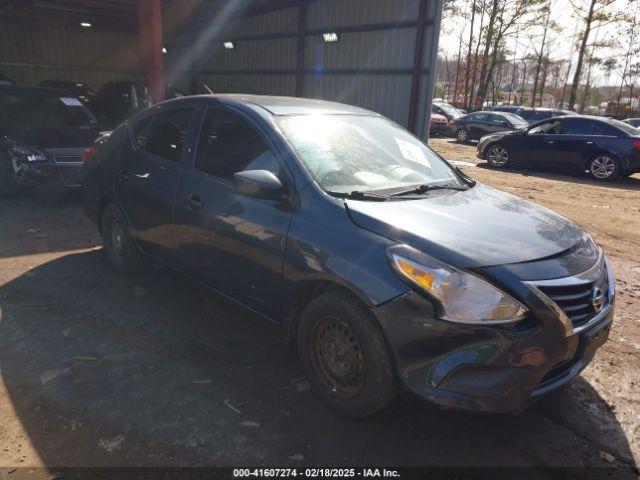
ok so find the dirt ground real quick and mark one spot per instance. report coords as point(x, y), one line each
point(103, 370)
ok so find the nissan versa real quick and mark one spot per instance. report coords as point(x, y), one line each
point(389, 268)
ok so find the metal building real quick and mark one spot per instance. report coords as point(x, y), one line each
point(379, 54)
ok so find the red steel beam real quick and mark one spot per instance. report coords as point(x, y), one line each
point(150, 27)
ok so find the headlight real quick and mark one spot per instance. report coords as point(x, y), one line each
point(463, 297)
point(30, 154)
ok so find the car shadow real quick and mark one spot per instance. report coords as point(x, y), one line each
point(624, 183)
point(106, 370)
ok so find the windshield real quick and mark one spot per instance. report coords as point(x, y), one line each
point(347, 153)
point(40, 107)
point(515, 119)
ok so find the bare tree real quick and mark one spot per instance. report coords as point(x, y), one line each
point(593, 13)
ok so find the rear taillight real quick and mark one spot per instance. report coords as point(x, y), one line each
point(88, 153)
point(637, 144)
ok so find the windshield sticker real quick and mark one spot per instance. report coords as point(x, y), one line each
point(412, 152)
point(70, 101)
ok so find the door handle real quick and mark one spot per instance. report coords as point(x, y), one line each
point(590, 143)
point(550, 142)
point(141, 175)
point(194, 202)
point(122, 175)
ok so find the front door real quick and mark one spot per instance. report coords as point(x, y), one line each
point(231, 242)
point(147, 175)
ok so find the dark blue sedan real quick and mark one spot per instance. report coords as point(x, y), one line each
point(387, 267)
point(606, 148)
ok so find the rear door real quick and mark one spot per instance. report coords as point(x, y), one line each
point(576, 142)
point(147, 175)
point(231, 242)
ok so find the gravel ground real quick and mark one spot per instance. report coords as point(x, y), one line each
point(104, 370)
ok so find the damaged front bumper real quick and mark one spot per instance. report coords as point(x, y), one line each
point(49, 168)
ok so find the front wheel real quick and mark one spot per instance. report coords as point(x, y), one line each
point(604, 167)
point(344, 354)
point(498, 156)
point(8, 183)
point(121, 250)
point(462, 135)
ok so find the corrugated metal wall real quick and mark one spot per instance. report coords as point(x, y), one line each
point(371, 65)
point(33, 52)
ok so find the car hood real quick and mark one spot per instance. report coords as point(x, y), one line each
point(478, 227)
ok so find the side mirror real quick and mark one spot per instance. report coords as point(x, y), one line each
point(258, 184)
point(504, 123)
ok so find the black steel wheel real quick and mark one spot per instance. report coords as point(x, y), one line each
point(121, 250)
point(337, 357)
point(343, 352)
point(8, 184)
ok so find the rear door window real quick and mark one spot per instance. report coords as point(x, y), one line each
point(169, 133)
point(576, 126)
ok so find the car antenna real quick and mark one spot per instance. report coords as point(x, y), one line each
point(207, 88)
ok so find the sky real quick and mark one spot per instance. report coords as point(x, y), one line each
point(561, 46)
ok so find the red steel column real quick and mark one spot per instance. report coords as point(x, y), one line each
point(150, 27)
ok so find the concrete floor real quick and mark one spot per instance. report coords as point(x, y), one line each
point(99, 369)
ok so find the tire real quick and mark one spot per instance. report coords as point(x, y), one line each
point(8, 184)
point(343, 352)
point(462, 135)
point(604, 167)
point(498, 156)
point(121, 250)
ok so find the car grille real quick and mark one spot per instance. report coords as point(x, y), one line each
point(67, 159)
point(575, 299)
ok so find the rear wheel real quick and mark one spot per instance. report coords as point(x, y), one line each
point(498, 156)
point(121, 250)
point(8, 184)
point(462, 135)
point(344, 354)
point(604, 167)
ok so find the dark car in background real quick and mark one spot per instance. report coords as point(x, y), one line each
point(533, 114)
point(43, 134)
point(446, 110)
point(478, 124)
point(117, 100)
point(634, 122)
point(606, 148)
point(438, 125)
point(388, 267)
point(81, 91)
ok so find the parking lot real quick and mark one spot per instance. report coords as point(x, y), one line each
point(104, 370)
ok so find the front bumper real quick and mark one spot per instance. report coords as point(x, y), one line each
point(489, 369)
point(48, 173)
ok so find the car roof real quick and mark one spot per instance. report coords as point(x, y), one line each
point(274, 105)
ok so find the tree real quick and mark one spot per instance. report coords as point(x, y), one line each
point(593, 13)
point(505, 18)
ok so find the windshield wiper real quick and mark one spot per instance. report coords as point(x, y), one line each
point(427, 188)
point(359, 195)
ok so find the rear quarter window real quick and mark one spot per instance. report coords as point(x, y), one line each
point(140, 132)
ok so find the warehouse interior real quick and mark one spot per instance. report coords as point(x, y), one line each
point(378, 54)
